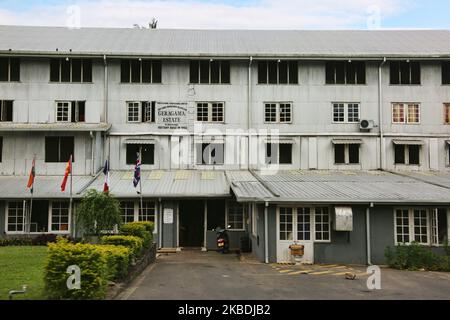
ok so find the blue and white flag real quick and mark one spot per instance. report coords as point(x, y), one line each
point(137, 171)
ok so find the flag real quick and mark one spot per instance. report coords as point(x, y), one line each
point(30, 184)
point(106, 173)
point(137, 171)
point(66, 174)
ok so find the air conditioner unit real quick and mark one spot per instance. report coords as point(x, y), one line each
point(366, 124)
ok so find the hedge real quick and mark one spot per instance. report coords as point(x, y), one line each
point(141, 229)
point(135, 244)
point(92, 262)
point(416, 257)
point(118, 259)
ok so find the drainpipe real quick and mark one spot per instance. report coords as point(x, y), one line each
point(380, 114)
point(369, 251)
point(249, 106)
point(105, 102)
point(266, 233)
point(92, 152)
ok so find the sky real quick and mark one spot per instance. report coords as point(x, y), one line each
point(231, 14)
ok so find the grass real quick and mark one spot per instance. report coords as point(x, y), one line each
point(20, 266)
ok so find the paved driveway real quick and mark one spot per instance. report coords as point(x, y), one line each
point(196, 275)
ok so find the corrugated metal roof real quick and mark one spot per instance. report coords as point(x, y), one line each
point(434, 177)
point(246, 187)
point(167, 184)
point(166, 42)
point(351, 187)
point(54, 126)
point(45, 187)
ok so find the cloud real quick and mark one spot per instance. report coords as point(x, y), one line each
point(264, 14)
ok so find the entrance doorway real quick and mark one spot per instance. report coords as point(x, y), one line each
point(39, 217)
point(191, 215)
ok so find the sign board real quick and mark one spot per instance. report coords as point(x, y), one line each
point(168, 216)
point(343, 219)
point(173, 116)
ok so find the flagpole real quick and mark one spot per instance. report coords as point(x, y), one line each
point(31, 195)
point(70, 200)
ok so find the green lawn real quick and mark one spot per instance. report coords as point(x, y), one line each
point(20, 266)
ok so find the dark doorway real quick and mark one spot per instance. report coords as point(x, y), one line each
point(39, 216)
point(191, 223)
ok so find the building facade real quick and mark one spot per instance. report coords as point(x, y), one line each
point(335, 140)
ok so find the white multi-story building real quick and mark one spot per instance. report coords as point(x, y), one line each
point(277, 135)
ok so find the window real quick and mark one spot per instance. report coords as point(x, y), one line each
point(286, 224)
point(6, 111)
point(210, 111)
point(278, 112)
point(447, 113)
point(412, 225)
point(147, 213)
point(236, 215)
point(71, 70)
point(322, 224)
point(303, 224)
point(439, 222)
point(210, 153)
point(127, 211)
point(141, 111)
point(60, 216)
point(147, 156)
point(70, 111)
point(209, 72)
point(346, 153)
point(140, 71)
point(346, 112)
point(16, 219)
point(446, 72)
point(345, 72)
point(404, 72)
point(9, 69)
point(277, 72)
point(278, 153)
point(408, 113)
point(59, 149)
point(407, 154)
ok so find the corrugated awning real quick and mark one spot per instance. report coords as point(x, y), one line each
point(347, 141)
point(140, 141)
point(408, 142)
point(279, 140)
point(209, 139)
point(447, 142)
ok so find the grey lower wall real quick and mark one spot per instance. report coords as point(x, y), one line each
point(345, 247)
point(381, 232)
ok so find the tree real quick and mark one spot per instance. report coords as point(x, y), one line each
point(98, 212)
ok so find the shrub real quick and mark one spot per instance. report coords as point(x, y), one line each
point(22, 241)
point(415, 257)
point(142, 229)
point(93, 265)
point(134, 243)
point(118, 259)
point(43, 239)
point(98, 211)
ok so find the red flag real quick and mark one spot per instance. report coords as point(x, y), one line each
point(30, 184)
point(66, 174)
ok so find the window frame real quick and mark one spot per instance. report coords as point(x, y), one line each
point(9, 67)
point(71, 73)
point(51, 214)
point(346, 67)
point(445, 68)
point(22, 209)
point(346, 111)
point(208, 163)
point(289, 65)
point(59, 149)
point(400, 73)
point(143, 159)
point(406, 156)
point(152, 63)
point(3, 110)
point(411, 226)
point(232, 204)
point(210, 62)
point(209, 111)
point(266, 157)
point(347, 154)
point(406, 112)
point(278, 112)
